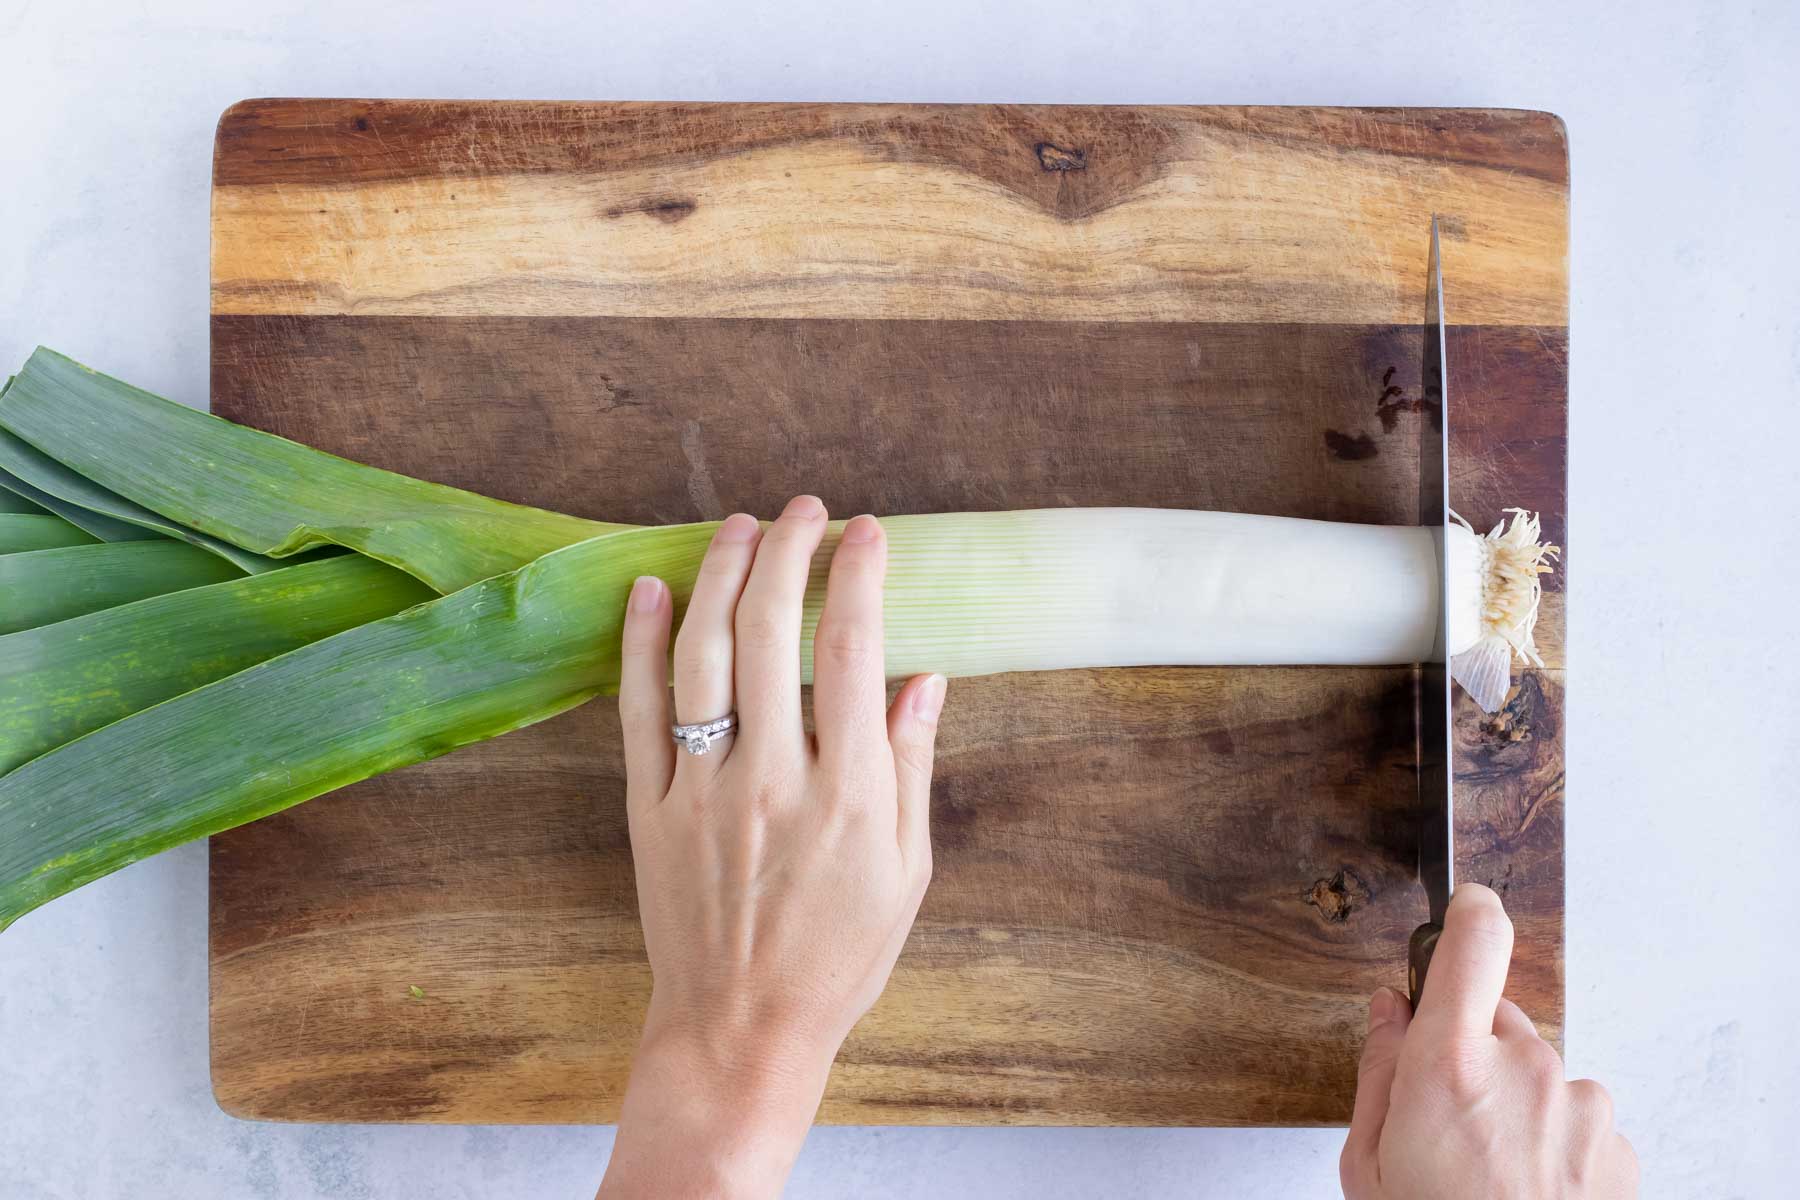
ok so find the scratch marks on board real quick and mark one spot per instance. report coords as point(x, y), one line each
point(700, 482)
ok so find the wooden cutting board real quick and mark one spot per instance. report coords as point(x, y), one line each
point(1161, 896)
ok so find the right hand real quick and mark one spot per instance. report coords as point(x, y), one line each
point(1465, 1100)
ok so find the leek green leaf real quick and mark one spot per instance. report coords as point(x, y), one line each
point(13, 502)
point(108, 516)
point(264, 493)
point(44, 586)
point(60, 681)
point(33, 531)
point(497, 655)
point(107, 529)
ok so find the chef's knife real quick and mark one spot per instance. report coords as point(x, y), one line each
point(1437, 816)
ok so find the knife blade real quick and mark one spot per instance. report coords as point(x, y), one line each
point(1436, 809)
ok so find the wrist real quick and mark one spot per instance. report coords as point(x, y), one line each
point(714, 1112)
point(761, 1047)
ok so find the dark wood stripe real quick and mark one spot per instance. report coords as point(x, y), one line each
point(1071, 159)
point(664, 420)
point(1523, 141)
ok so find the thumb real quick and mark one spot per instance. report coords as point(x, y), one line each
point(912, 733)
point(1389, 1016)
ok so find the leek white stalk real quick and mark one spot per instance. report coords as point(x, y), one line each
point(1049, 589)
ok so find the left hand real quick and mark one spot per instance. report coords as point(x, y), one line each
point(778, 875)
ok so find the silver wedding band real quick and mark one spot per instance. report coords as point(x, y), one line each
point(698, 739)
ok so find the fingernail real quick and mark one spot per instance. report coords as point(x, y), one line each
point(928, 701)
point(1384, 1006)
point(646, 594)
point(861, 529)
point(738, 527)
point(804, 506)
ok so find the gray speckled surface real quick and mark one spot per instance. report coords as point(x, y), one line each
point(1683, 746)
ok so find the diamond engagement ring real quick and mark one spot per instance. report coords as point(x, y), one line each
point(698, 739)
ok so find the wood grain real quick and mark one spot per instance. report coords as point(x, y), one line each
point(1161, 896)
point(351, 141)
point(912, 213)
point(1122, 927)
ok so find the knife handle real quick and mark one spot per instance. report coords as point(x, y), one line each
point(1418, 959)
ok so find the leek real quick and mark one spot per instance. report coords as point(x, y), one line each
point(108, 516)
point(45, 586)
point(58, 682)
point(14, 452)
point(12, 502)
point(20, 532)
point(226, 711)
point(266, 494)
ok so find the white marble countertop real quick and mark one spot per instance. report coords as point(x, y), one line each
point(1682, 747)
